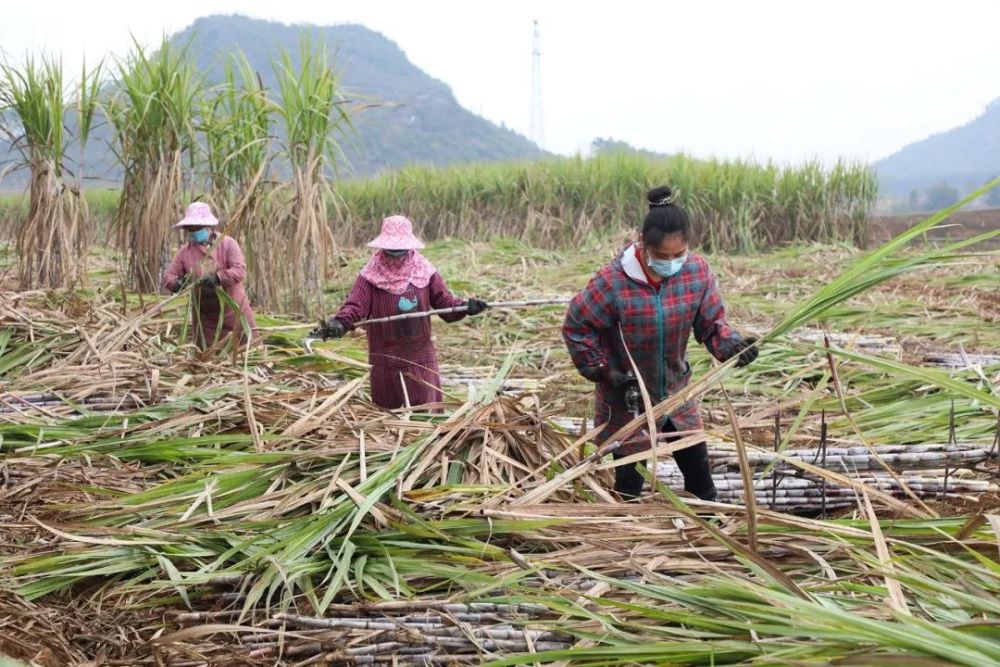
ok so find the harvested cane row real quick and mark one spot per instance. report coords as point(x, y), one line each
point(798, 495)
point(415, 633)
point(851, 458)
point(259, 514)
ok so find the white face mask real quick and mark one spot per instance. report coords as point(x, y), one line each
point(666, 267)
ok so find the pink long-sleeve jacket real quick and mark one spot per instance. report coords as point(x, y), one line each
point(230, 267)
point(401, 353)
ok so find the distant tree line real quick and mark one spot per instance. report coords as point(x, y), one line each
point(942, 195)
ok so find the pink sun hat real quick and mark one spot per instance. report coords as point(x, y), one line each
point(198, 214)
point(397, 234)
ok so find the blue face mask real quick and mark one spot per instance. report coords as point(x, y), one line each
point(666, 267)
point(200, 236)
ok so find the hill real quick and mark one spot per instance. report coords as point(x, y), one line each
point(961, 156)
point(419, 120)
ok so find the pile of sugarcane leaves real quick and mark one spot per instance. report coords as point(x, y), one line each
point(170, 507)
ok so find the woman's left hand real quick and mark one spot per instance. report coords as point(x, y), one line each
point(747, 349)
point(476, 306)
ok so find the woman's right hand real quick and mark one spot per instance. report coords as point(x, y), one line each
point(181, 283)
point(624, 385)
point(475, 306)
point(332, 328)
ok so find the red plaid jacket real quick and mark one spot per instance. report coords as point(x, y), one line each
point(657, 321)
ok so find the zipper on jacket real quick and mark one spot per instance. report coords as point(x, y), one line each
point(660, 344)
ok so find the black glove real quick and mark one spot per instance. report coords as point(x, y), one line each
point(624, 386)
point(332, 328)
point(476, 306)
point(181, 283)
point(747, 349)
point(210, 282)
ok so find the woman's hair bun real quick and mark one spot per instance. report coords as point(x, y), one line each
point(659, 196)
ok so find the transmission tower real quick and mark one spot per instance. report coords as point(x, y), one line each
point(537, 119)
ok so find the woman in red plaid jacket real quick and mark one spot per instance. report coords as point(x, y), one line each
point(655, 294)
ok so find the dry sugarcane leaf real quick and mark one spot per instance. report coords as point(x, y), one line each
point(896, 598)
point(994, 520)
point(749, 498)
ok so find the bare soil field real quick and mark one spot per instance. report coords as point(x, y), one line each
point(962, 225)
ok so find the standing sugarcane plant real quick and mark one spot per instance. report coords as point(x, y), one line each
point(51, 242)
point(152, 112)
point(313, 112)
point(236, 126)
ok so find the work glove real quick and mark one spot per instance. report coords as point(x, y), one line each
point(332, 328)
point(625, 388)
point(181, 283)
point(210, 282)
point(476, 306)
point(747, 350)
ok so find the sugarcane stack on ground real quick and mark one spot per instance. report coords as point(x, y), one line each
point(798, 495)
point(166, 508)
point(650, 587)
point(945, 472)
point(421, 632)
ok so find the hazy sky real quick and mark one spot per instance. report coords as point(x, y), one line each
point(782, 79)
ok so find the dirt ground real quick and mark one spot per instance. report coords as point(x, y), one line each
point(962, 225)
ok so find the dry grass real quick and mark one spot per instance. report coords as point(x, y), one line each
point(236, 501)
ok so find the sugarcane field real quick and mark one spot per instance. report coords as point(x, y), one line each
point(266, 400)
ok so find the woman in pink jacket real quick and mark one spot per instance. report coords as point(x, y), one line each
point(395, 281)
point(211, 260)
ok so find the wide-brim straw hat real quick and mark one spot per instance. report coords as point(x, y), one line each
point(397, 234)
point(198, 214)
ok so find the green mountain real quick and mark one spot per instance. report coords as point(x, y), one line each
point(417, 119)
point(962, 157)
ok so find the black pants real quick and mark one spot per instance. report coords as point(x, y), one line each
point(693, 462)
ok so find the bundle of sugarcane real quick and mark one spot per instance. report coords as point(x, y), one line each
point(810, 492)
point(733, 482)
point(28, 409)
point(883, 345)
point(851, 458)
point(425, 631)
point(98, 403)
point(958, 360)
point(842, 457)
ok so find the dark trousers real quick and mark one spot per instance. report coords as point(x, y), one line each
point(693, 462)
